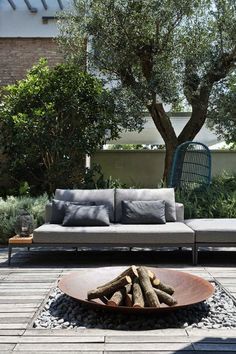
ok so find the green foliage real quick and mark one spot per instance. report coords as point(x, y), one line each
point(10, 207)
point(135, 147)
point(126, 147)
point(94, 179)
point(222, 110)
point(151, 46)
point(50, 120)
point(153, 51)
point(216, 201)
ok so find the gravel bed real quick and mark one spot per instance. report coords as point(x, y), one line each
point(62, 311)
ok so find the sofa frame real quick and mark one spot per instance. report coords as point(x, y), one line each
point(76, 246)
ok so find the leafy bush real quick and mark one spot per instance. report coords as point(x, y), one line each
point(9, 209)
point(216, 201)
point(94, 179)
point(49, 121)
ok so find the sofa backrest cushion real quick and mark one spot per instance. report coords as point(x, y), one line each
point(81, 215)
point(59, 209)
point(166, 194)
point(143, 212)
point(98, 196)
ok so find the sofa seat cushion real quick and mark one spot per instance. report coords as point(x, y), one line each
point(117, 234)
point(213, 230)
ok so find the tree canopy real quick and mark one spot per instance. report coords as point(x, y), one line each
point(156, 51)
point(222, 110)
point(50, 120)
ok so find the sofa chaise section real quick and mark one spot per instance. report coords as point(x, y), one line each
point(213, 233)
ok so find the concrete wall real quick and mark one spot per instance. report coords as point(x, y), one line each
point(23, 23)
point(145, 168)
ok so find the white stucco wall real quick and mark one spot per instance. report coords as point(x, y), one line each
point(22, 23)
point(150, 134)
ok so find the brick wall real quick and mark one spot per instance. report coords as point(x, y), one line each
point(17, 55)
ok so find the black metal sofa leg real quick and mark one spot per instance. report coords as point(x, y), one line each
point(195, 254)
point(9, 255)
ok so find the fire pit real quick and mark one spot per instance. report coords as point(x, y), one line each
point(189, 289)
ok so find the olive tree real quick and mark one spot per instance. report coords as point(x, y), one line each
point(222, 110)
point(158, 52)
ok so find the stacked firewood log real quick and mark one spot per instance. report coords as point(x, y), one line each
point(135, 287)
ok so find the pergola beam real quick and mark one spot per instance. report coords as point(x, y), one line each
point(44, 4)
point(60, 4)
point(30, 8)
point(11, 2)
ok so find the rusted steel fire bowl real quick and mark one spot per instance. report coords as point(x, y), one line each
point(189, 289)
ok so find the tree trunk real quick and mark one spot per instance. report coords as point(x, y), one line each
point(166, 130)
point(170, 150)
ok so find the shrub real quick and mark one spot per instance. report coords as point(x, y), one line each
point(94, 179)
point(9, 209)
point(49, 121)
point(216, 201)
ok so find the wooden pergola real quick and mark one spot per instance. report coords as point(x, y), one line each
point(34, 9)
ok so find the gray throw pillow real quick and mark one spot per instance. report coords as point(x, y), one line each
point(143, 212)
point(58, 209)
point(80, 215)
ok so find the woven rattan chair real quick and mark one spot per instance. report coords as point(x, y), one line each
point(191, 167)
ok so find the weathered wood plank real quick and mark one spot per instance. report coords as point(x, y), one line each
point(147, 339)
point(13, 314)
point(155, 352)
point(231, 288)
point(206, 333)
point(215, 347)
point(20, 270)
point(20, 297)
point(38, 340)
point(213, 340)
point(6, 347)
point(64, 352)
point(14, 317)
point(23, 292)
point(69, 347)
point(17, 306)
point(23, 285)
point(104, 332)
point(11, 332)
point(34, 278)
point(124, 347)
point(24, 300)
point(13, 309)
point(16, 325)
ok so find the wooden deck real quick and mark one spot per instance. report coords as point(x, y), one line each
point(24, 285)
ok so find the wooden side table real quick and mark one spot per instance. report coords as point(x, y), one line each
point(18, 241)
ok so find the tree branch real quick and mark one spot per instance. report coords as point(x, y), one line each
point(145, 54)
point(199, 97)
point(222, 67)
point(163, 123)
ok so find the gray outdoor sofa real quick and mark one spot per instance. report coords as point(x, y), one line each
point(176, 232)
